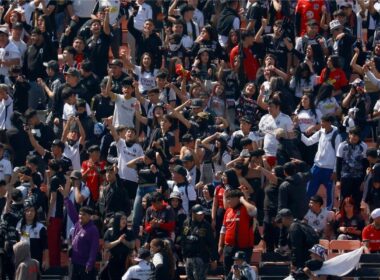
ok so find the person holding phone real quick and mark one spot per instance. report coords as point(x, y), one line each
point(241, 269)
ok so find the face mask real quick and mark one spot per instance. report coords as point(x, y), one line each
point(174, 47)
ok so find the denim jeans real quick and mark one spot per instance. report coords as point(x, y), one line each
point(137, 206)
point(321, 176)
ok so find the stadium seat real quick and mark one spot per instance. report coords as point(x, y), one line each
point(344, 245)
point(325, 243)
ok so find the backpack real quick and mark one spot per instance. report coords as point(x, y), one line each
point(311, 236)
point(333, 137)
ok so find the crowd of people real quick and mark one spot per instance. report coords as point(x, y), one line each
point(206, 129)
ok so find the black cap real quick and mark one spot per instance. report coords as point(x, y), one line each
point(93, 148)
point(198, 209)
point(52, 64)
point(239, 255)
point(246, 119)
point(196, 103)
point(116, 62)
point(175, 161)
point(81, 103)
point(86, 66)
point(76, 174)
point(18, 25)
point(372, 152)
point(188, 157)
point(59, 143)
point(180, 170)
point(73, 72)
point(25, 170)
point(187, 138)
point(312, 22)
point(283, 213)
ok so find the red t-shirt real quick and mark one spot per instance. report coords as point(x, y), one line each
point(94, 178)
point(337, 78)
point(237, 221)
point(250, 63)
point(372, 235)
point(308, 9)
point(218, 195)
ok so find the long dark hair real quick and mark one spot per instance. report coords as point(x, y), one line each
point(230, 45)
point(311, 106)
point(116, 224)
point(211, 32)
point(302, 67)
point(342, 212)
point(324, 92)
point(167, 254)
point(143, 69)
point(35, 220)
point(232, 178)
point(219, 152)
point(335, 63)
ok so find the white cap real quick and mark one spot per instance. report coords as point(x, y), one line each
point(335, 24)
point(375, 213)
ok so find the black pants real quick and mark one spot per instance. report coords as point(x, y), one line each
point(229, 252)
point(116, 267)
point(350, 187)
point(79, 273)
point(271, 235)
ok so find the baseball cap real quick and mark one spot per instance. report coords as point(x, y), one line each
point(196, 103)
point(4, 29)
point(175, 195)
point(18, 25)
point(76, 174)
point(58, 142)
point(116, 62)
point(188, 157)
point(246, 119)
point(93, 148)
point(25, 170)
point(197, 209)
point(335, 24)
point(375, 213)
point(52, 64)
point(73, 72)
point(312, 22)
point(283, 213)
point(239, 255)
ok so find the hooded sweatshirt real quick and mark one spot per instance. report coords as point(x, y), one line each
point(27, 268)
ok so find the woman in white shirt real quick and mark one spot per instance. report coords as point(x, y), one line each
point(325, 102)
point(303, 78)
point(309, 122)
point(145, 72)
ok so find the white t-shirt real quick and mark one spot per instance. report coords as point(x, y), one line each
point(125, 155)
point(167, 95)
point(5, 168)
point(28, 9)
point(328, 106)
point(114, 8)
point(306, 119)
point(6, 110)
point(22, 47)
point(72, 152)
point(302, 85)
point(268, 125)
point(124, 111)
point(252, 135)
point(142, 271)
point(83, 8)
point(70, 110)
point(145, 12)
point(186, 197)
point(319, 221)
point(29, 231)
point(10, 51)
point(147, 80)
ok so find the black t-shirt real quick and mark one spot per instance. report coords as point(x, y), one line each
point(34, 58)
point(43, 134)
point(116, 83)
point(277, 48)
point(3, 201)
point(91, 83)
point(103, 107)
point(256, 12)
point(120, 250)
point(55, 182)
point(38, 240)
point(98, 53)
point(146, 176)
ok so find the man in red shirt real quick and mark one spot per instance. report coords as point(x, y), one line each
point(246, 58)
point(92, 171)
point(305, 11)
point(371, 233)
point(237, 230)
